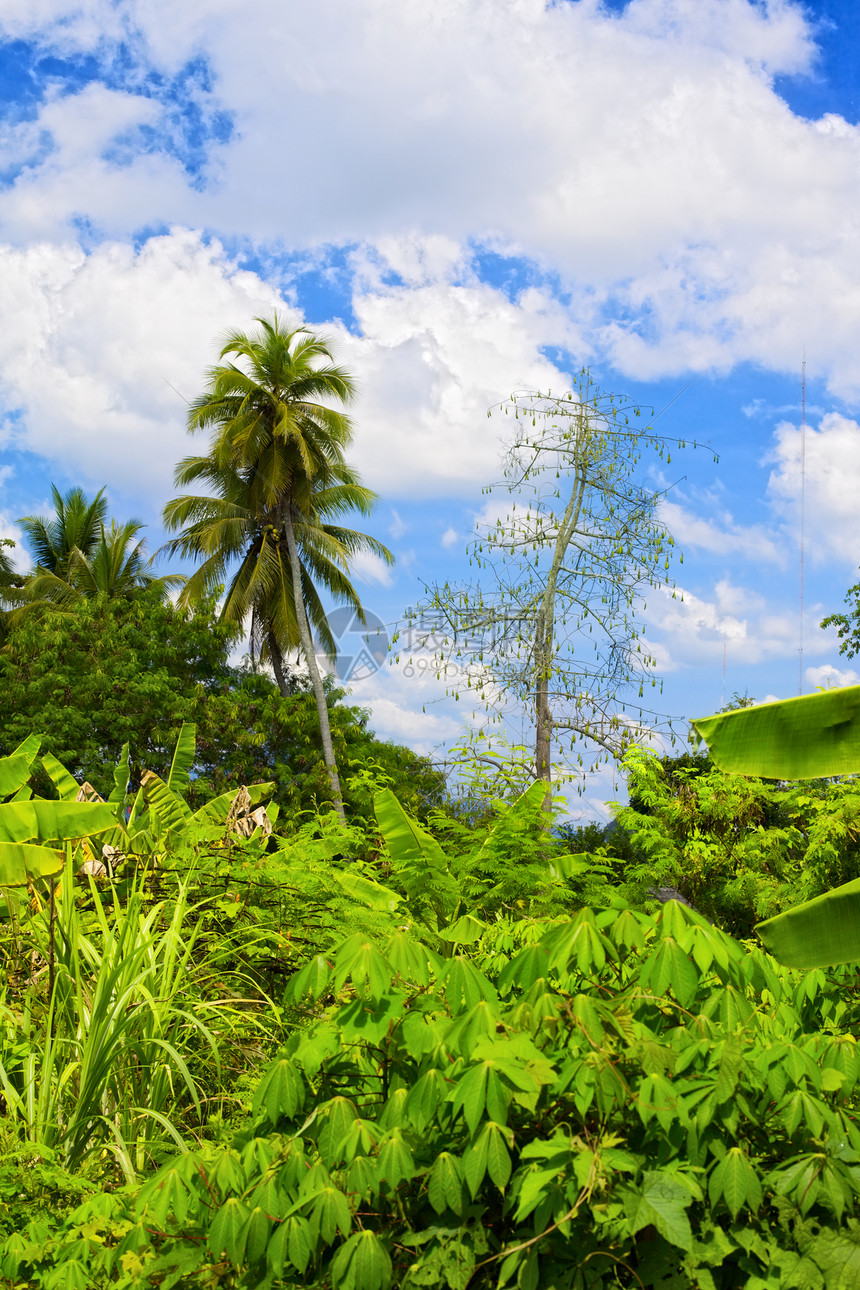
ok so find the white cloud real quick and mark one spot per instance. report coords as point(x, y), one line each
point(409, 705)
point(433, 359)
point(832, 468)
point(686, 630)
point(723, 536)
point(831, 678)
point(99, 352)
point(370, 568)
point(450, 537)
point(645, 155)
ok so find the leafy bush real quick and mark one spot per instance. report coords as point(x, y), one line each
point(739, 848)
point(629, 1100)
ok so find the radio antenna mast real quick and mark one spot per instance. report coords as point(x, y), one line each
point(802, 512)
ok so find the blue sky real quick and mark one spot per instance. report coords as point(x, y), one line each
point(470, 198)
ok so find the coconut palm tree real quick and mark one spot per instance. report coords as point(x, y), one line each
point(76, 525)
point(277, 468)
point(116, 566)
point(77, 556)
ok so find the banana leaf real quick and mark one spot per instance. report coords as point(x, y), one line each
point(183, 758)
point(120, 782)
point(216, 811)
point(22, 861)
point(406, 840)
point(64, 782)
point(818, 933)
point(169, 807)
point(40, 821)
point(367, 892)
point(810, 737)
point(28, 747)
point(14, 773)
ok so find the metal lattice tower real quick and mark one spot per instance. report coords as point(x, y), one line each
point(802, 513)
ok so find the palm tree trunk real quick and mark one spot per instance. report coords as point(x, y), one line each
point(277, 659)
point(310, 659)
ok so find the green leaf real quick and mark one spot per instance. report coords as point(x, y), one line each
point(498, 1156)
point(367, 892)
point(22, 861)
point(291, 1243)
point(661, 1200)
point(121, 774)
point(445, 1184)
point(172, 811)
point(314, 979)
point(405, 838)
point(819, 933)
point(362, 1263)
point(465, 931)
point(470, 1094)
point(395, 1161)
point(735, 1181)
point(183, 758)
point(43, 821)
point(579, 944)
point(256, 1235)
point(227, 1231)
point(281, 1091)
point(358, 960)
point(408, 958)
point(669, 967)
point(217, 810)
point(424, 1097)
point(330, 1214)
point(14, 773)
point(804, 738)
point(66, 785)
point(338, 1118)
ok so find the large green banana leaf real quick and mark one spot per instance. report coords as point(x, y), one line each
point(819, 932)
point(22, 861)
point(406, 840)
point(805, 738)
point(172, 811)
point(28, 747)
point(217, 810)
point(120, 782)
point(64, 782)
point(183, 758)
point(40, 821)
point(14, 773)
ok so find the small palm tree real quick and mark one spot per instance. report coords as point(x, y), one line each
point(116, 567)
point(76, 525)
point(276, 465)
point(77, 556)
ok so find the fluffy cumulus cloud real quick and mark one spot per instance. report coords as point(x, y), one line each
point(829, 677)
point(831, 457)
point(643, 155)
point(688, 630)
point(99, 352)
point(433, 359)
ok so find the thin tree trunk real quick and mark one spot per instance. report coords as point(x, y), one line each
point(543, 715)
point(277, 660)
point(310, 658)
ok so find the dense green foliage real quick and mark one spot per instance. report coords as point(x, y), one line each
point(740, 849)
point(131, 671)
point(258, 1032)
point(625, 1100)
